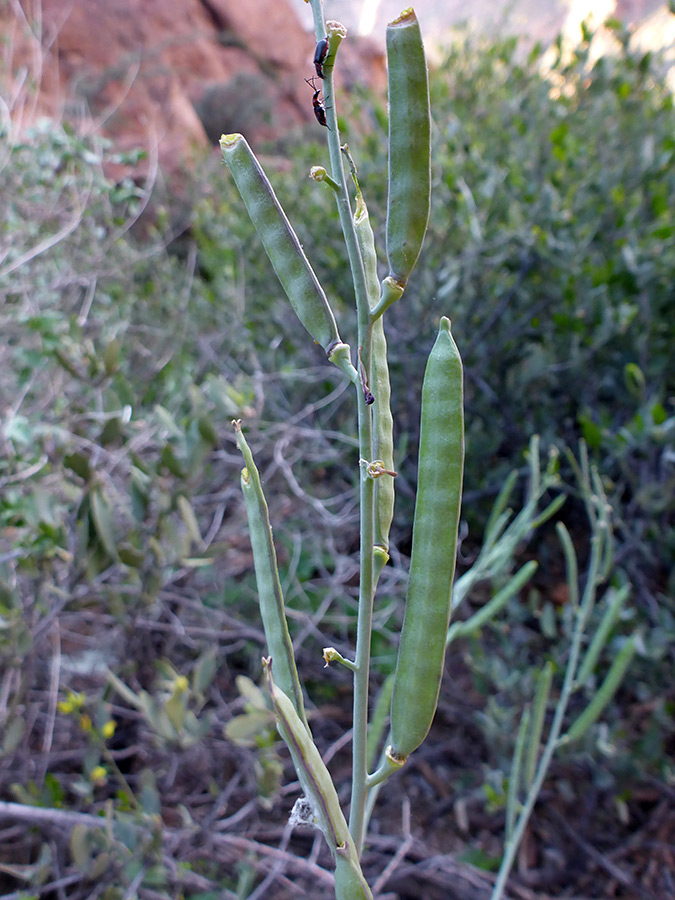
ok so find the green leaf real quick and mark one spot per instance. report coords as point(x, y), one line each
point(204, 672)
point(79, 464)
point(12, 736)
point(591, 432)
point(149, 795)
point(244, 729)
point(207, 430)
point(634, 379)
point(480, 859)
point(131, 556)
point(102, 518)
point(19, 430)
point(171, 462)
point(659, 414)
point(167, 422)
point(190, 519)
point(80, 847)
point(176, 707)
point(250, 691)
point(111, 357)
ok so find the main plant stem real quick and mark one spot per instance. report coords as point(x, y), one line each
point(357, 815)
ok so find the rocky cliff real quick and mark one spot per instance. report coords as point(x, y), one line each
point(169, 75)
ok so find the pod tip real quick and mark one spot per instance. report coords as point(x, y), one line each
point(445, 324)
point(406, 17)
point(334, 27)
point(229, 140)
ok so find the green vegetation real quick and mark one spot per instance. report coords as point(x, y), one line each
point(125, 578)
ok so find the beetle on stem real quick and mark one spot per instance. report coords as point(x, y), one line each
point(320, 55)
point(317, 103)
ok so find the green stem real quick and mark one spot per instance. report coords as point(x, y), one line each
point(119, 776)
point(552, 744)
point(359, 792)
point(330, 654)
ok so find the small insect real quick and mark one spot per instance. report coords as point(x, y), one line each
point(367, 393)
point(319, 108)
point(320, 55)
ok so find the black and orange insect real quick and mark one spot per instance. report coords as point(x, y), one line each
point(317, 103)
point(320, 55)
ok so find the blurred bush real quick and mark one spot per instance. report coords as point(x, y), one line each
point(552, 247)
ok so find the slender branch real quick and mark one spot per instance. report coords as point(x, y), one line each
point(552, 744)
point(366, 491)
point(41, 815)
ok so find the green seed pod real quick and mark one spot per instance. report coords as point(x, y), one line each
point(601, 637)
point(513, 793)
point(319, 790)
point(544, 680)
point(270, 594)
point(434, 548)
point(280, 241)
point(409, 145)
point(350, 883)
point(383, 422)
point(605, 692)
point(383, 435)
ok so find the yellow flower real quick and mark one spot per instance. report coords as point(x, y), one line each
point(181, 684)
point(73, 701)
point(98, 775)
point(108, 729)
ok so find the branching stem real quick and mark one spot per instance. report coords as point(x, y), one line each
point(365, 428)
point(594, 576)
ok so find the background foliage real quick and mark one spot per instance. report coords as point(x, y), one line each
point(132, 337)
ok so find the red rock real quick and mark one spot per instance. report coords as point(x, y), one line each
point(145, 68)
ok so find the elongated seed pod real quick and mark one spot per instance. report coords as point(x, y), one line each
point(601, 636)
point(270, 594)
point(366, 239)
point(605, 692)
point(383, 422)
point(281, 243)
point(513, 792)
point(319, 790)
point(409, 145)
point(383, 435)
point(350, 883)
point(488, 612)
point(544, 680)
point(434, 547)
point(379, 719)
